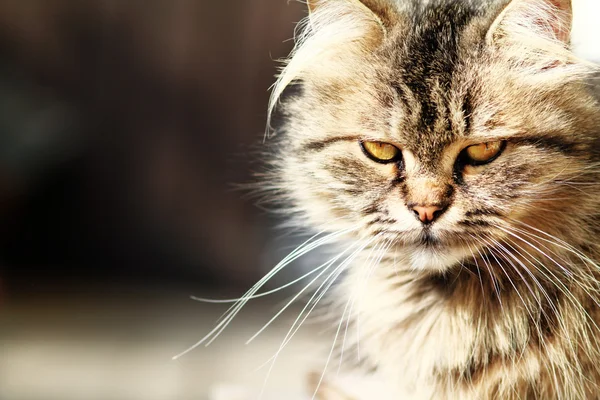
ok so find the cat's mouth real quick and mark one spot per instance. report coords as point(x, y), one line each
point(432, 251)
point(434, 240)
point(430, 240)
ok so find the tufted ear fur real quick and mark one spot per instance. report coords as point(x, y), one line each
point(549, 20)
point(379, 10)
point(335, 43)
point(535, 36)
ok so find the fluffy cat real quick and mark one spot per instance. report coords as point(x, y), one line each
point(454, 147)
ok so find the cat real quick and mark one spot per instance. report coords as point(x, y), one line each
point(453, 148)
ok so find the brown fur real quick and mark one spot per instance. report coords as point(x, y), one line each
point(498, 299)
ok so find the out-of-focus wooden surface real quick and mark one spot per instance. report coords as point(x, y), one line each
point(114, 345)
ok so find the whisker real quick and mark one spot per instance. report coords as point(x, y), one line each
point(301, 250)
point(290, 302)
point(492, 278)
point(510, 281)
point(351, 299)
point(586, 319)
point(565, 270)
point(260, 295)
point(476, 267)
point(568, 295)
point(384, 247)
point(312, 303)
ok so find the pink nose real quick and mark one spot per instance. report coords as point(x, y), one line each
point(427, 214)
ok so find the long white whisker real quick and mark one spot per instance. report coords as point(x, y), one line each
point(312, 303)
point(477, 267)
point(563, 288)
point(566, 271)
point(289, 303)
point(499, 264)
point(257, 296)
point(492, 278)
point(263, 281)
point(299, 252)
point(352, 298)
point(382, 251)
point(578, 307)
point(368, 270)
point(560, 244)
point(320, 292)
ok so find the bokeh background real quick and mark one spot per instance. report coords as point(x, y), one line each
point(124, 127)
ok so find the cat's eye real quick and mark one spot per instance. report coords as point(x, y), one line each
point(381, 152)
point(483, 153)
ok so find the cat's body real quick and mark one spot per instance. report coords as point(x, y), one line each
point(471, 271)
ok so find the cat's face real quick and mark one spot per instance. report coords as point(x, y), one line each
point(440, 142)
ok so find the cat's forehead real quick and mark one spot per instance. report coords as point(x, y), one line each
point(429, 67)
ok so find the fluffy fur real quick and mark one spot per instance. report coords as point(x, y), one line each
point(499, 297)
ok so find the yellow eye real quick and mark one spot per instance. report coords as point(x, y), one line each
point(484, 153)
point(380, 151)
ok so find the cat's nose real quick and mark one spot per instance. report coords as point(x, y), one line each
point(427, 214)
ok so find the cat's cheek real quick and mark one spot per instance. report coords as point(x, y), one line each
point(470, 171)
point(386, 172)
point(452, 216)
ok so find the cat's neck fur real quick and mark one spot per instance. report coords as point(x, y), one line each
point(465, 335)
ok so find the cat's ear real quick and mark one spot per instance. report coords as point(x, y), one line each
point(380, 10)
point(549, 20)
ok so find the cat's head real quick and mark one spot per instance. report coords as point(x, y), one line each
point(444, 126)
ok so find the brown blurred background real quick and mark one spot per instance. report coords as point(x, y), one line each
point(123, 126)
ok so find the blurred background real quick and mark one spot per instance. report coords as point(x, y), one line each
point(123, 127)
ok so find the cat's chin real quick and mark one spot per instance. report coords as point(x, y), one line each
point(435, 259)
